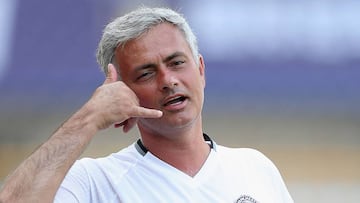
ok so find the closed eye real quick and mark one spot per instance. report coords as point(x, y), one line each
point(144, 75)
point(177, 63)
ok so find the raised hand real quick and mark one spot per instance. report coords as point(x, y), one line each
point(115, 103)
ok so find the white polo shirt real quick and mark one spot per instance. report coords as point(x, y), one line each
point(135, 175)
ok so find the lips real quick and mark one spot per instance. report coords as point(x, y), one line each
point(174, 100)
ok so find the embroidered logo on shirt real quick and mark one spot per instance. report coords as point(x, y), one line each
point(246, 199)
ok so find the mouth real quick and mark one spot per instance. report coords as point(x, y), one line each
point(174, 100)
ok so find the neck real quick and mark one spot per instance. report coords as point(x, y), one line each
point(184, 149)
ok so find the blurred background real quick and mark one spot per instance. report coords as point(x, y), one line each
point(282, 77)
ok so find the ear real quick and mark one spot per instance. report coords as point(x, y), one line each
point(202, 69)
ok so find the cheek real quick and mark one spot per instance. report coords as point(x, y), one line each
point(146, 98)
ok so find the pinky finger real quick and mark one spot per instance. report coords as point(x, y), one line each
point(130, 123)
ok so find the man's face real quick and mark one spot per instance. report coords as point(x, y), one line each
point(159, 67)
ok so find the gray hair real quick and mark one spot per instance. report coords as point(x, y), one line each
point(133, 25)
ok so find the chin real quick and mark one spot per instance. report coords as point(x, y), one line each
point(168, 123)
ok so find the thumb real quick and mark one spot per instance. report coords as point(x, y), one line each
point(112, 75)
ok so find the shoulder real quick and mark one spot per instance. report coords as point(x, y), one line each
point(248, 157)
point(250, 161)
point(114, 164)
point(240, 153)
point(88, 175)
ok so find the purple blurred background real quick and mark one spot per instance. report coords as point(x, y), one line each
point(269, 57)
point(265, 60)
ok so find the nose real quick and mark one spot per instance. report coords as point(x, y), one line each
point(167, 80)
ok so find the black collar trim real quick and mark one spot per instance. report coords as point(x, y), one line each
point(142, 149)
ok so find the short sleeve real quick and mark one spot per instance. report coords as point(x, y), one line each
point(75, 186)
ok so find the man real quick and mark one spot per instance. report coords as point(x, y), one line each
point(155, 79)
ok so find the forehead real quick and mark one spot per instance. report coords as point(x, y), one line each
point(159, 42)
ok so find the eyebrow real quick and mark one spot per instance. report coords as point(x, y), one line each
point(167, 59)
point(172, 56)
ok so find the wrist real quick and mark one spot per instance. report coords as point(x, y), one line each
point(92, 117)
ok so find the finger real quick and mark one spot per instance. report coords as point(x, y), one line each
point(118, 125)
point(129, 124)
point(146, 113)
point(141, 112)
point(111, 75)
